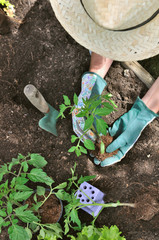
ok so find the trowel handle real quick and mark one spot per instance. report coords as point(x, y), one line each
point(35, 97)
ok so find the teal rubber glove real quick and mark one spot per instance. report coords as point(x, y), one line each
point(92, 84)
point(126, 130)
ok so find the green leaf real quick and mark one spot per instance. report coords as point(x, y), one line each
point(102, 147)
point(37, 160)
point(9, 208)
point(1, 221)
point(61, 194)
point(38, 175)
point(3, 170)
point(22, 188)
point(17, 233)
point(81, 114)
point(36, 206)
point(21, 180)
point(75, 218)
point(83, 150)
point(86, 178)
point(29, 232)
point(75, 99)
point(21, 196)
point(66, 100)
point(3, 212)
point(112, 233)
point(26, 216)
point(78, 152)
point(6, 224)
point(89, 144)
point(103, 111)
point(113, 103)
point(25, 166)
point(61, 186)
point(66, 226)
point(101, 126)
point(107, 96)
point(107, 105)
point(20, 156)
point(73, 138)
point(35, 198)
point(72, 149)
point(88, 122)
point(42, 233)
point(40, 191)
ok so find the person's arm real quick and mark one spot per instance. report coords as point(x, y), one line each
point(151, 98)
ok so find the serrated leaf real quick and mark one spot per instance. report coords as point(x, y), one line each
point(75, 218)
point(26, 216)
point(29, 232)
point(101, 126)
point(17, 232)
point(73, 138)
point(112, 233)
point(40, 190)
point(66, 100)
point(37, 160)
point(86, 178)
point(38, 175)
point(61, 194)
point(3, 169)
point(42, 233)
point(20, 156)
point(66, 227)
point(75, 99)
point(102, 147)
point(83, 150)
point(72, 149)
point(9, 208)
point(21, 196)
point(89, 144)
point(103, 111)
point(1, 221)
point(88, 122)
point(61, 185)
point(36, 206)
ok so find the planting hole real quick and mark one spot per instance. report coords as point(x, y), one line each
point(90, 187)
point(92, 197)
point(87, 200)
point(82, 200)
point(80, 195)
point(93, 192)
point(85, 187)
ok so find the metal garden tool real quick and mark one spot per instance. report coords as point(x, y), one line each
point(48, 122)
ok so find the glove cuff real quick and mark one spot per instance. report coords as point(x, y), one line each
point(139, 104)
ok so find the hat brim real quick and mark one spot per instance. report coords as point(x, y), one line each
point(131, 45)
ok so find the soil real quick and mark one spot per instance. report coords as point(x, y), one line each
point(50, 211)
point(97, 153)
point(40, 52)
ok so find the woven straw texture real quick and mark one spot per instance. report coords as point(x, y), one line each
point(91, 30)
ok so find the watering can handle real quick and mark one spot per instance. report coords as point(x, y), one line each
point(36, 98)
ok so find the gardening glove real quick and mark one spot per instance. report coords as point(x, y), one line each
point(92, 84)
point(127, 129)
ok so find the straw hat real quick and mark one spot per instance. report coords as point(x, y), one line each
point(124, 30)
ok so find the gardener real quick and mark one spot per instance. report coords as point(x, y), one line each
point(120, 30)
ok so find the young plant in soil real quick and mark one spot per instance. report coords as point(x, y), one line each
point(93, 110)
point(14, 194)
point(71, 219)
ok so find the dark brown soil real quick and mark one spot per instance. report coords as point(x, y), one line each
point(50, 211)
point(97, 153)
point(40, 52)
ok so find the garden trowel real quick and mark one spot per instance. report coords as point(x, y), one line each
point(48, 122)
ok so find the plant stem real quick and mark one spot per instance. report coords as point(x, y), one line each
point(47, 196)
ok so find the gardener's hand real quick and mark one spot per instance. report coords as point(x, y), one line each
point(92, 84)
point(127, 130)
